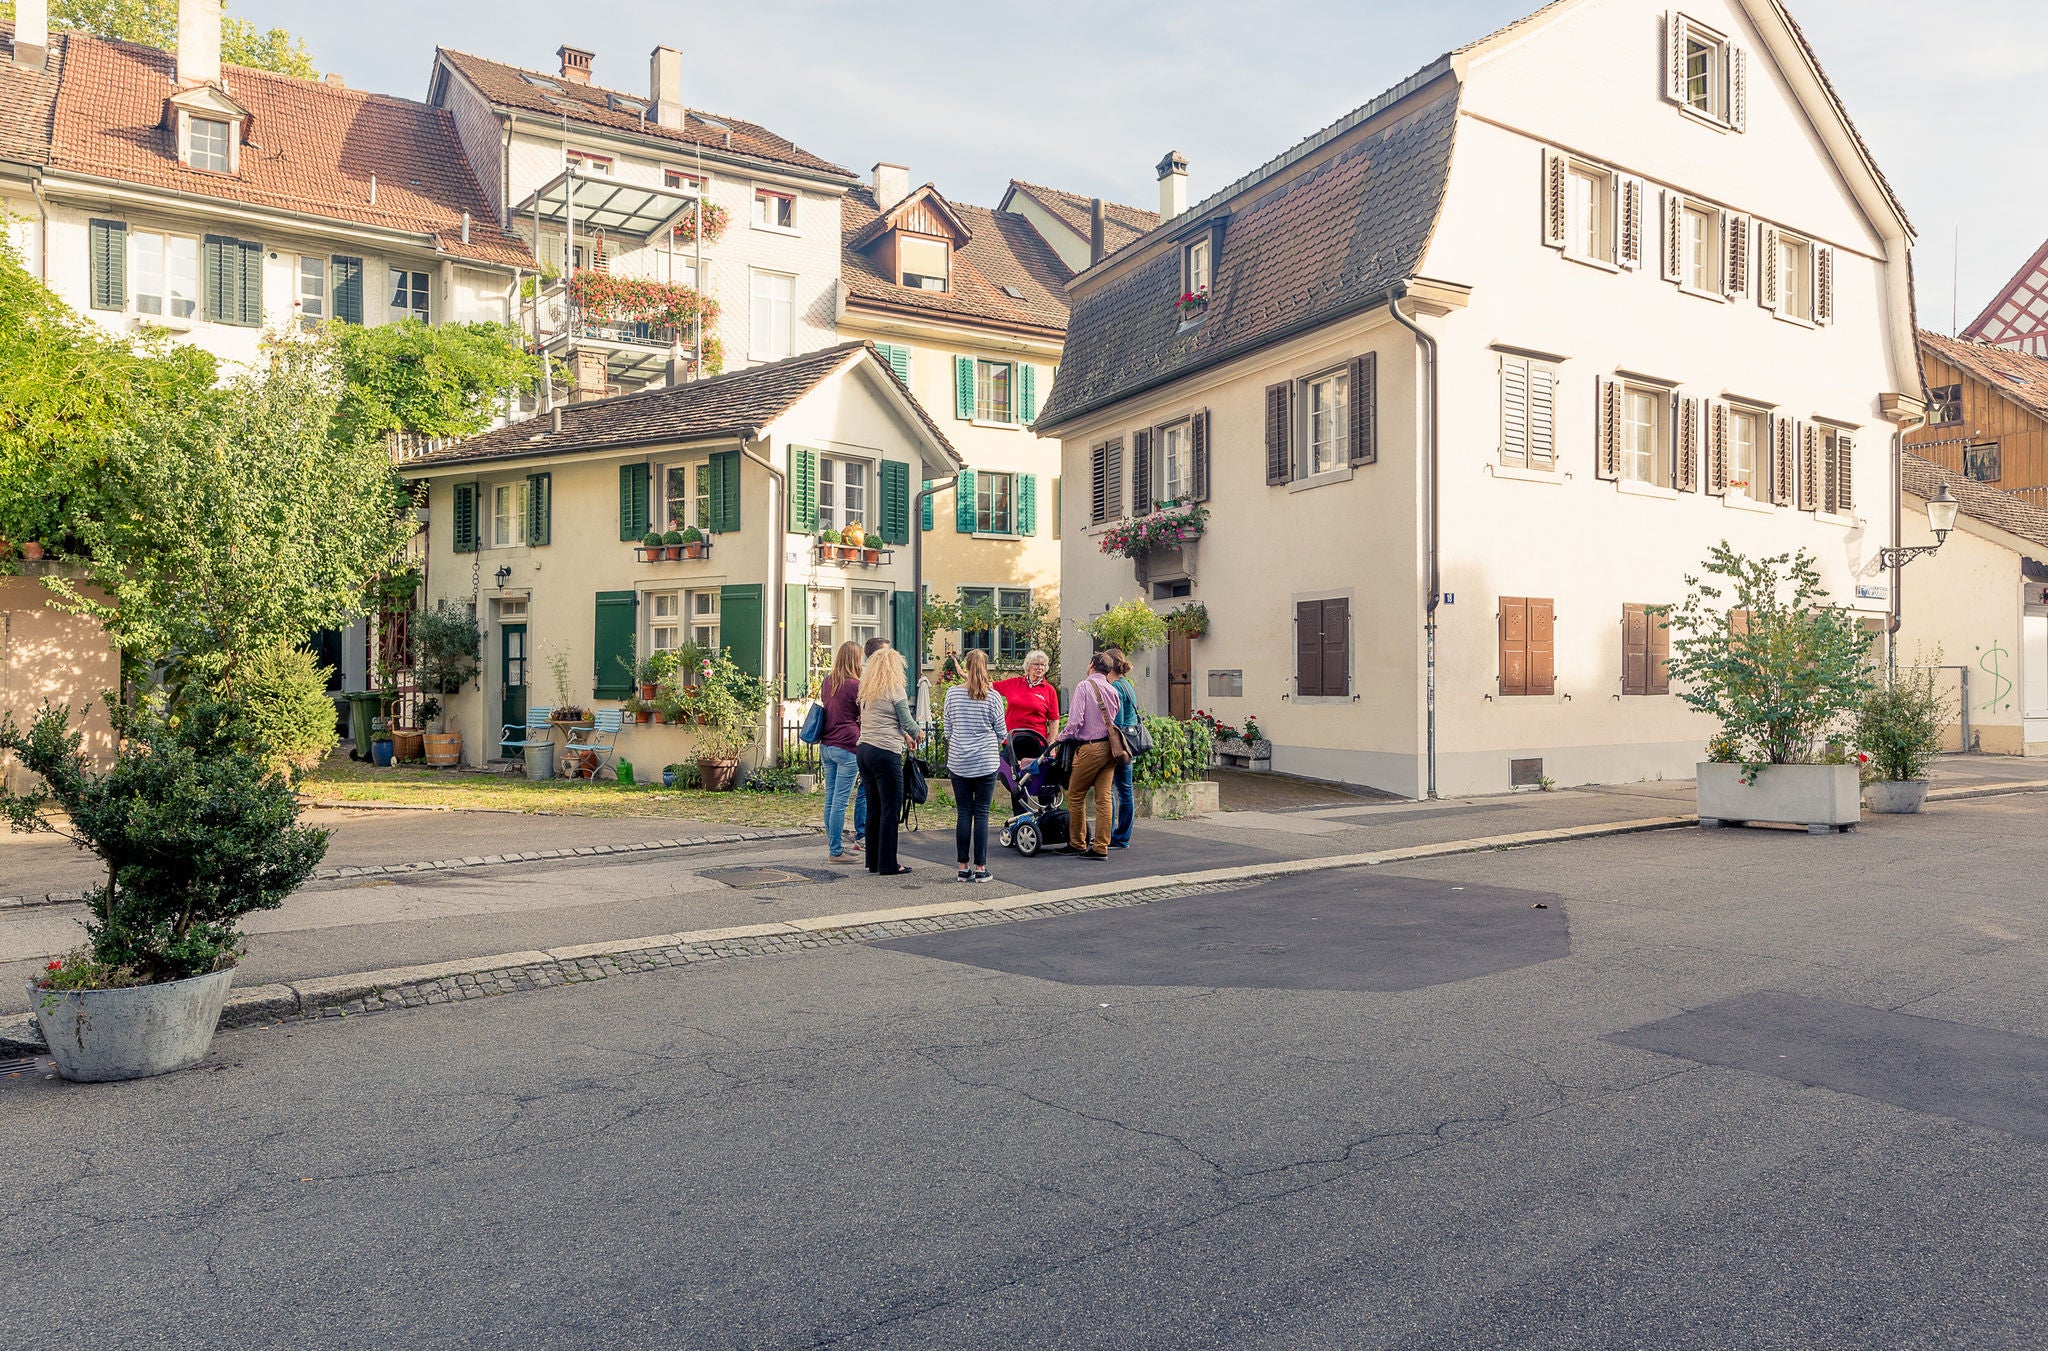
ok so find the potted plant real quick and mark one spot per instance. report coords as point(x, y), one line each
point(669, 709)
point(1191, 303)
point(694, 545)
point(854, 535)
point(195, 832)
point(1900, 728)
point(446, 647)
point(651, 547)
point(1761, 650)
point(672, 545)
point(1190, 617)
point(646, 674)
point(727, 705)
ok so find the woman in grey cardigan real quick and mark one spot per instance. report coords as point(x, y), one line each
point(974, 751)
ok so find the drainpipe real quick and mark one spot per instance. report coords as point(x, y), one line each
point(35, 187)
point(778, 524)
point(1432, 590)
point(917, 562)
point(1898, 526)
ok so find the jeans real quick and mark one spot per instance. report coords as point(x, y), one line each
point(1092, 777)
point(860, 803)
point(881, 774)
point(1126, 807)
point(842, 771)
point(972, 797)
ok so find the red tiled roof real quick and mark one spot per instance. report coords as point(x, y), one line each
point(26, 100)
point(594, 105)
point(312, 147)
point(1980, 501)
point(1121, 224)
point(2019, 377)
point(1004, 251)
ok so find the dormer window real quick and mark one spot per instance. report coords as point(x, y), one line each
point(207, 144)
point(925, 263)
point(1195, 268)
point(208, 128)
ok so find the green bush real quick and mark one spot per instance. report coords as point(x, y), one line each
point(447, 649)
point(280, 695)
point(1180, 753)
point(1901, 724)
point(194, 833)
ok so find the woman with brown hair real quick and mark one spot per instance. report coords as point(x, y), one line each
point(841, 696)
point(974, 749)
point(887, 727)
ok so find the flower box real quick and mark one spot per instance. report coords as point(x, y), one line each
point(1823, 798)
point(1235, 752)
point(1168, 527)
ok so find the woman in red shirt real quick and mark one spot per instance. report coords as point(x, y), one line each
point(1033, 702)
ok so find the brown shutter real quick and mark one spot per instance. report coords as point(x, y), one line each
point(1784, 441)
point(1843, 480)
point(1365, 409)
point(1113, 478)
point(1198, 433)
point(1336, 647)
point(1687, 476)
point(1823, 284)
point(1660, 653)
point(1514, 645)
point(1735, 268)
point(1717, 448)
point(1809, 469)
point(1607, 420)
point(1142, 441)
point(1635, 650)
point(1098, 483)
point(1308, 647)
point(1542, 647)
point(1674, 237)
point(1553, 199)
point(1279, 455)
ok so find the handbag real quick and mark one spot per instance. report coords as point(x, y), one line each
point(813, 730)
point(1119, 746)
point(1140, 738)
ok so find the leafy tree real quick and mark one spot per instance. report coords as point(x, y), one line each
point(1037, 626)
point(439, 380)
point(154, 23)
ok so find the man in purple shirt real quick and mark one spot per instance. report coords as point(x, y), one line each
point(1089, 715)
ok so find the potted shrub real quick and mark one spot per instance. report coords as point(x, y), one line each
point(1900, 728)
point(1759, 648)
point(651, 549)
point(727, 705)
point(828, 544)
point(646, 674)
point(447, 647)
point(672, 545)
point(194, 832)
point(693, 542)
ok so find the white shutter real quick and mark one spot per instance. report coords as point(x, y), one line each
point(1553, 199)
point(1735, 257)
point(1514, 410)
point(1674, 237)
point(1674, 55)
point(1738, 88)
point(1767, 285)
point(1842, 483)
point(1630, 193)
point(1542, 416)
point(1823, 284)
point(1717, 448)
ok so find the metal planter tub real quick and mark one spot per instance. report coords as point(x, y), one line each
point(100, 1035)
point(1822, 798)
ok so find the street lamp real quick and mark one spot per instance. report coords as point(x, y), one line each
point(1941, 518)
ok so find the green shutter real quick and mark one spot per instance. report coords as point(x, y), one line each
point(249, 288)
point(925, 508)
point(898, 359)
point(1027, 392)
point(963, 388)
point(617, 621)
point(465, 518)
point(964, 516)
point(633, 520)
point(739, 625)
point(540, 507)
point(903, 617)
point(1027, 504)
point(803, 490)
point(222, 285)
point(725, 491)
point(895, 502)
point(109, 248)
point(348, 289)
point(796, 640)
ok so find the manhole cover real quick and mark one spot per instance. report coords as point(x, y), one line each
point(15, 1069)
point(746, 879)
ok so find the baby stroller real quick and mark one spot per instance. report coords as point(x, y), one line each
point(1038, 790)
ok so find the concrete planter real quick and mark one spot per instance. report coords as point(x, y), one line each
point(1235, 752)
point(1179, 800)
point(100, 1035)
point(1822, 798)
point(1896, 796)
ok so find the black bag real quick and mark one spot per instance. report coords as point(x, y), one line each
point(916, 786)
point(1140, 738)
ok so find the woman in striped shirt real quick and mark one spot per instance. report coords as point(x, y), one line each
point(974, 750)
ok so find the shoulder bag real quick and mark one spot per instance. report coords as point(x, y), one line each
point(1119, 747)
point(813, 730)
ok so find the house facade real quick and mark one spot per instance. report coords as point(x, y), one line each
point(1478, 375)
point(536, 528)
point(1987, 414)
point(2017, 316)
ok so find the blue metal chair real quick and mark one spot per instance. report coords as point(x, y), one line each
point(600, 738)
point(536, 730)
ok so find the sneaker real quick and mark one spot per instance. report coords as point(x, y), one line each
point(981, 875)
point(1096, 858)
point(967, 874)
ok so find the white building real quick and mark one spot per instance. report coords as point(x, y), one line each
point(1485, 369)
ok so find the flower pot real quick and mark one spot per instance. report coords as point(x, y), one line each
point(1896, 796)
point(649, 691)
point(671, 552)
point(99, 1035)
point(407, 743)
point(31, 550)
point(1820, 797)
point(717, 776)
point(443, 749)
point(871, 556)
point(643, 716)
point(380, 754)
point(668, 777)
point(693, 550)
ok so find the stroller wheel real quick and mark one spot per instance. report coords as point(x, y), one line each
point(1026, 838)
point(1003, 839)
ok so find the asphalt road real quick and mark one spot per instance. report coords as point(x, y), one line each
point(1725, 1089)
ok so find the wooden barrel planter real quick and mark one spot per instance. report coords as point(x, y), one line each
point(444, 749)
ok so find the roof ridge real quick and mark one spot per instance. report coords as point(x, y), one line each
point(568, 84)
point(1079, 197)
point(312, 84)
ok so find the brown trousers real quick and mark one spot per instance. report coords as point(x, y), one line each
point(1093, 774)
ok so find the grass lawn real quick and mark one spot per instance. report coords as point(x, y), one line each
point(339, 779)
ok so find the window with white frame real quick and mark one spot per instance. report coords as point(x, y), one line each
point(1006, 642)
point(508, 515)
point(994, 387)
point(206, 144)
point(842, 492)
point(1706, 60)
point(995, 503)
point(1643, 419)
point(1745, 445)
point(773, 327)
point(824, 619)
point(703, 611)
point(1176, 465)
point(589, 165)
point(312, 288)
point(1795, 277)
point(682, 179)
point(867, 617)
point(664, 620)
point(1326, 423)
point(1700, 248)
point(923, 264)
point(686, 496)
point(1195, 268)
point(1588, 212)
point(1704, 72)
point(409, 295)
point(774, 210)
point(166, 274)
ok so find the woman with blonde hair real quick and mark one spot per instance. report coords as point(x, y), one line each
point(840, 694)
point(887, 728)
point(975, 727)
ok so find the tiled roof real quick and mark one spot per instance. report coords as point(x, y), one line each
point(1328, 242)
point(26, 100)
point(1980, 501)
point(724, 406)
point(2019, 377)
point(593, 105)
point(1004, 251)
point(312, 147)
point(1120, 224)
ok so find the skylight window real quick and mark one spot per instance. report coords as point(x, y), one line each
point(1013, 293)
point(626, 105)
point(543, 81)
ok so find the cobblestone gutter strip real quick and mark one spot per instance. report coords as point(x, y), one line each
point(487, 860)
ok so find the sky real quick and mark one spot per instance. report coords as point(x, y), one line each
point(1089, 96)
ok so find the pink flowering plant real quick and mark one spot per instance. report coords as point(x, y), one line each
point(1192, 303)
point(1224, 731)
point(1165, 527)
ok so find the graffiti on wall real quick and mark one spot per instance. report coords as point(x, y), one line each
point(1994, 662)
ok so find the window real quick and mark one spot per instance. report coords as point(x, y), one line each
point(1745, 437)
point(1589, 213)
point(1322, 648)
point(1981, 462)
point(207, 146)
point(703, 612)
point(1528, 412)
point(1195, 272)
point(1528, 645)
point(824, 620)
point(1327, 423)
point(993, 385)
point(1176, 464)
point(1700, 256)
point(923, 263)
point(774, 316)
point(1704, 73)
point(842, 492)
point(1947, 405)
point(995, 503)
point(508, 515)
point(1642, 435)
point(1006, 642)
point(1645, 651)
point(664, 620)
point(409, 295)
point(312, 289)
point(774, 210)
point(681, 180)
point(686, 496)
point(867, 619)
point(166, 275)
point(1795, 273)
point(1703, 60)
point(590, 166)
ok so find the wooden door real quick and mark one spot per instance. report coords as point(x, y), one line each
point(512, 677)
point(1180, 676)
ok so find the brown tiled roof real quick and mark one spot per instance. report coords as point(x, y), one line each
point(1120, 224)
point(1004, 251)
point(1980, 501)
point(593, 105)
point(2019, 377)
point(26, 100)
point(311, 147)
point(725, 406)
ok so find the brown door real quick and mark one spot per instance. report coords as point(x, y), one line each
point(1180, 676)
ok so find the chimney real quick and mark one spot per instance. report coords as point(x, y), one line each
point(1097, 246)
point(1173, 185)
point(892, 184)
point(575, 64)
point(31, 33)
point(198, 42)
point(333, 80)
point(665, 87)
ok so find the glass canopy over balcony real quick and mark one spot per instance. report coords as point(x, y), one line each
point(580, 202)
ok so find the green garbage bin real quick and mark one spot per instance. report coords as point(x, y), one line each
point(362, 707)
